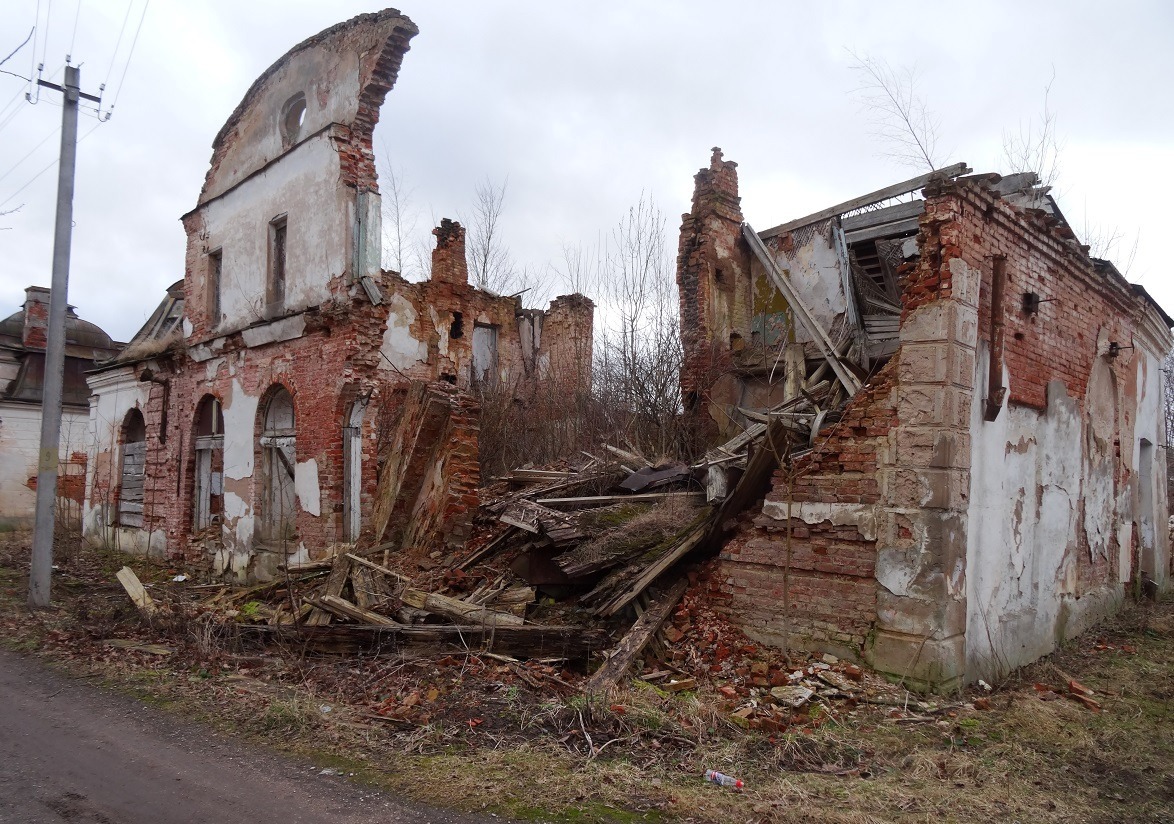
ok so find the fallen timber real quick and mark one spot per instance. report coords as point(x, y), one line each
point(528, 641)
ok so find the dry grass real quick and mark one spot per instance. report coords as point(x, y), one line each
point(642, 754)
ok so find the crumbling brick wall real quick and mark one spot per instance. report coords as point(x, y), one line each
point(892, 502)
point(713, 279)
point(821, 591)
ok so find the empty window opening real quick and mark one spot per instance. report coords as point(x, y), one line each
point(276, 285)
point(278, 444)
point(293, 117)
point(484, 355)
point(457, 329)
point(352, 478)
point(209, 442)
point(215, 266)
point(134, 458)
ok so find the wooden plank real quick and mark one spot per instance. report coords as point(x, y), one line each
point(529, 641)
point(488, 549)
point(896, 190)
point(608, 676)
point(683, 547)
point(460, 611)
point(377, 568)
point(882, 217)
point(887, 230)
point(630, 457)
point(608, 500)
point(345, 609)
point(134, 588)
point(363, 583)
point(334, 584)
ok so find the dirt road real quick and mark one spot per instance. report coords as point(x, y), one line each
point(72, 752)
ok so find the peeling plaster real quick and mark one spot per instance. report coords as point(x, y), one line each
point(306, 487)
point(861, 516)
point(399, 347)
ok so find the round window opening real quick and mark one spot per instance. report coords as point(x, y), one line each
point(293, 115)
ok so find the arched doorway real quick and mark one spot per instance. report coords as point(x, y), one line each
point(134, 459)
point(278, 442)
point(208, 504)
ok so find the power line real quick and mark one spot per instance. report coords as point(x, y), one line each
point(118, 42)
point(18, 48)
point(77, 13)
point(33, 55)
point(133, 43)
point(28, 183)
point(45, 41)
point(16, 165)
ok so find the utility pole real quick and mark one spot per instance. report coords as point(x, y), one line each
point(41, 573)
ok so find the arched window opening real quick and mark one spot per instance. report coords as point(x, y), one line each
point(278, 456)
point(134, 459)
point(352, 468)
point(209, 442)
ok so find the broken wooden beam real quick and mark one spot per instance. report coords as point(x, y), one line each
point(687, 543)
point(487, 550)
point(460, 611)
point(608, 500)
point(895, 190)
point(339, 573)
point(606, 677)
point(530, 641)
point(345, 609)
point(376, 567)
point(801, 311)
point(134, 588)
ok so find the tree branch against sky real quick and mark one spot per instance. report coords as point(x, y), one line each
point(901, 116)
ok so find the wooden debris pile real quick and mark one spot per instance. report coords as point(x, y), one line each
point(350, 603)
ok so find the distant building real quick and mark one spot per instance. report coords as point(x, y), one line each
point(23, 337)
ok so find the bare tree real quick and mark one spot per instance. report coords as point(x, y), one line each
point(1036, 147)
point(401, 246)
point(903, 119)
point(490, 264)
point(640, 354)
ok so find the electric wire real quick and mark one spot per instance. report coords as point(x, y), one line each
point(53, 163)
point(77, 13)
point(18, 163)
point(18, 48)
point(45, 41)
point(36, 36)
point(118, 42)
point(133, 43)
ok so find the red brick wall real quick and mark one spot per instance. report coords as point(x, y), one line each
point(827, 582)
point(713, 270)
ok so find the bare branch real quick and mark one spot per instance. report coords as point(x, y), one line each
point(903, 119)
point(1036, 148)
point(490, 264)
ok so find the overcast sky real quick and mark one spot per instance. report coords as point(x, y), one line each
point(583, 107)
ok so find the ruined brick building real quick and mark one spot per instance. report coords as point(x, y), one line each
point(993, 481)
point(23, 339)
point(248, 421)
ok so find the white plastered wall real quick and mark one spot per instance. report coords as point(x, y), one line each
point(303, 186)
point(115, 393)
point(20, 441)
point(1038, 481)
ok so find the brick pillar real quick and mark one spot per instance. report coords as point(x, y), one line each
point(925, 479)
point(711, 255)
point(36, 317)
point(448, 258)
